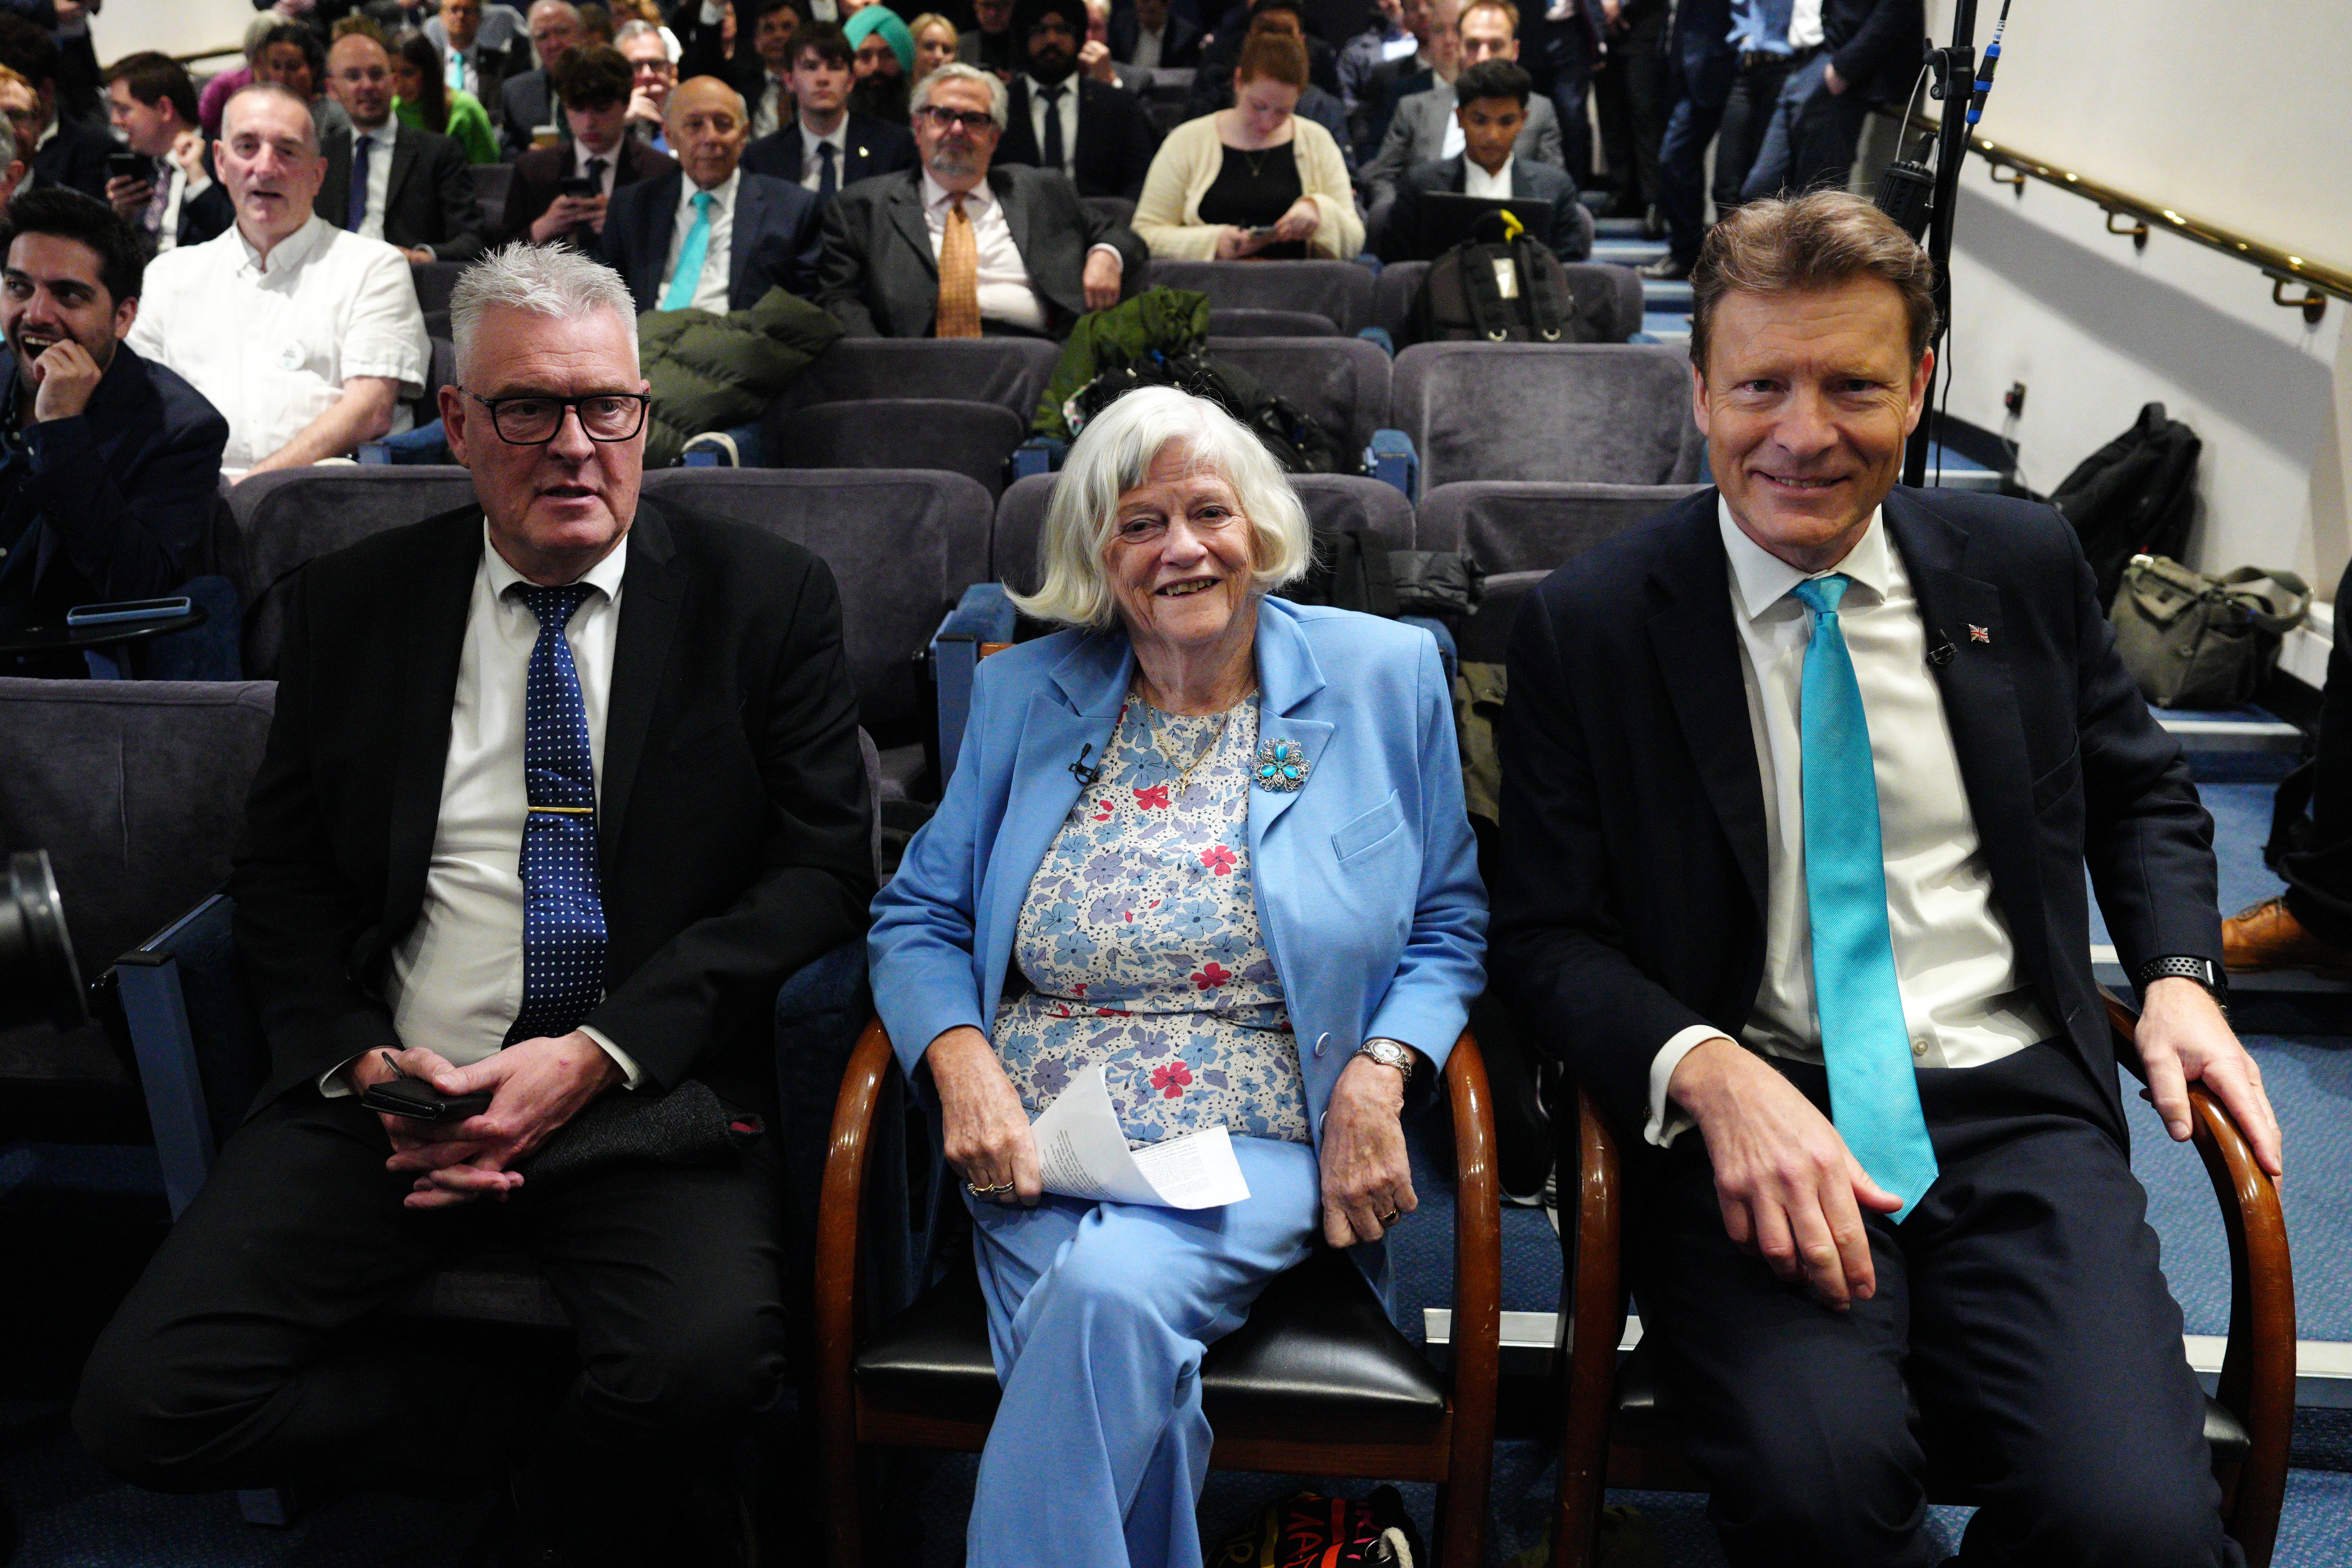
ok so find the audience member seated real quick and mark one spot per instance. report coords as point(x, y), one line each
point(883, 61)
point(214, 93)
point(935, 44)
point(306, 337)
point(1166, 937)
point(386, 181)
point(760, 68)
point(64, 152)
point(1148, 34)
point(1254, 179)
point(991, 43)
point(1386, 39)
point(1097, 136)
point(1494, 97)
point(656, 78)
point(1098, 64)
point(412, 901)
point(480, 45)
point(598, 158)
point(293, 56)
point(12, 161)
point(1425, 128)
point(107, 479)
point(526, 101)
point(153, 106)
point(1281, 16)
point(1213, 79)
point(707, 235)
point(825, 146)
point(1010, 251)
point(1435, 61)
point(425, 102)
point(21, 107)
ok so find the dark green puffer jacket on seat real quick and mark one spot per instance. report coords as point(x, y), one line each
point(713, 372)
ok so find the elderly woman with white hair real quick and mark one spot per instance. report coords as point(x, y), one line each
point(1213, 843)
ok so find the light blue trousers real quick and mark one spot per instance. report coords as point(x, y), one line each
point(1098, 1315)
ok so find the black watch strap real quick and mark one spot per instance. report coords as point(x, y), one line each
point(2179, 966)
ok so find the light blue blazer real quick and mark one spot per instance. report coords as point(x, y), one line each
point(1367, 878)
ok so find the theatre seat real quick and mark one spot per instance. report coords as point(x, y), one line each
point(1574, 413)
point(960, 436)
point(1339, 291)
point(1341, 383)
point(436, 282)
point(1233, 322)
point(1011, 373)
point(1608, 299)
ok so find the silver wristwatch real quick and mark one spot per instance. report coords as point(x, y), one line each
point(1388, 1054)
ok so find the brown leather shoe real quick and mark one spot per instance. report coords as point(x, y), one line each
point(2267, 936)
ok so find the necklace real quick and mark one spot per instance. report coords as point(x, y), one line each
point(1184, 771)
point(1257, 161)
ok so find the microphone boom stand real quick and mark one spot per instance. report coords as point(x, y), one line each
point(1952, 79)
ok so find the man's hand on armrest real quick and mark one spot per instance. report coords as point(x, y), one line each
point(1790, 1189)
point(1103, 270)
point(2184, 1039)
point(536, 1086)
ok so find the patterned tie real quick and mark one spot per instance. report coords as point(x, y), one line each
point(1873, 1090)
point(687, 280)
point(151, 220)
point(564, 907)
point(355, 208)
point(826, 184)
point(959, 276)
point(1053, 156)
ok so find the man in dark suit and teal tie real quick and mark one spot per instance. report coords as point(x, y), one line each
point(561, 786)
point(1800, 784)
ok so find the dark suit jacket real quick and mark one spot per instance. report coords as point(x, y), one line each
point(75, 157)
point(1876, 44)
point(702, 51)
point(880, 281)
point(1630, 895)
point(532, 189)
point(1116, 140)
point(874, 147)
point(774, 241)
point(209, 215)
point(114, 504)
point(732, 839)
point(1179, 46)
point(1565, 223)
point(526, 101)
point(429, 200)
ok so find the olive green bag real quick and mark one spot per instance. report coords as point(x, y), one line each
point(2194, 641)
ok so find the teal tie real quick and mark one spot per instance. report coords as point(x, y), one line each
point(687, 279)
point(1874, 1091)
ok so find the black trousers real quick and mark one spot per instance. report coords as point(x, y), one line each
point(2318, 870)
point(1629, 94)
point(2019, 1302)
point(1568, 57)
point(250, 1354)
point(1745, 113)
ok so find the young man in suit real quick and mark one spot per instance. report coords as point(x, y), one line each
point(827, 146)
point(1150, 35)
point(152, 105)
point(527, 100)
point(1425, 127)
point(1492, 108)
point(1093, 134)
point(584, 933)
point(115, 464)
point(407, 187)
point(592, 85)
point(960, 248)
point(1800, 780)
point(710, 235)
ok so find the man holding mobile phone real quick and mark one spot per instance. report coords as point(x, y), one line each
point(161, 185)
point(559, 194)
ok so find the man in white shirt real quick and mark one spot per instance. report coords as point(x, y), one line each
point(1799, 783)
point(562, 785)
point(154, 107)
point(399, 184)
point(306, 337)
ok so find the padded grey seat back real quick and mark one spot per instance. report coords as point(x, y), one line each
point(1009, 372)
point(1485, 636)
point(969, 438)
point(490, 184)
point(1341, 382)
point(1513, 526)
point(289, 519)
point(437, 325)
point(1337, 501)
point(436, 281)
point(903, 547)
point(1339, 291)
point(1583, 413)
point(441, 372)
point(1608, 298)
point(1240, 323)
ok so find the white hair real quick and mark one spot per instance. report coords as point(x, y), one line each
point(1111, 457)
point(956, 70)
point(540, 280)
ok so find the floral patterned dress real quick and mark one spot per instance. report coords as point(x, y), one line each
point(1139, 940)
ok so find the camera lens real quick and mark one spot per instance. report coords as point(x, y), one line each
point(38, 978)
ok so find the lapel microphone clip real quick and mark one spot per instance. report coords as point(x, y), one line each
point(1088, 777)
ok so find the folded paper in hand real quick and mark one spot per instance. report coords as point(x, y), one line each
point(1082, 1152)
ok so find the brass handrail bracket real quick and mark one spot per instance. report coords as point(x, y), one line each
point(2132, 225)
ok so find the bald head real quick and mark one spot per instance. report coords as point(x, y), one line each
point(708, 126)
point(359, 76)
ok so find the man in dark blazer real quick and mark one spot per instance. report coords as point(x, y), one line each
point(1493, 98)
point(108, 486)
point(1180, 40)
point(593, 84)
point(526, 100)
point(1800, 780)
point(591, 934)
point(1107, 143)
point(428, 208)
point(880, 271)
point(774, 230)
point(863, 146)
point(67, 151)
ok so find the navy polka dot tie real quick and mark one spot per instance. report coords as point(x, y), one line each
point(563, 909)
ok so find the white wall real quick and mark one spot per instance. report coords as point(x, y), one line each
point(174, 26)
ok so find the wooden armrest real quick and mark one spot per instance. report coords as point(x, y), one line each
point(1478, 1294)
point(841, 1205)
point(1591, 1324)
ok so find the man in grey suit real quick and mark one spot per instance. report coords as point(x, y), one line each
point(1424, 128)
point(1493, 100)
point(1039, 258)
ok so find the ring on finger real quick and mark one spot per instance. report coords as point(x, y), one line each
point(988, 1190)
point(1389, 1217)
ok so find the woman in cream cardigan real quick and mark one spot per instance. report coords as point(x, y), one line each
point(1253, 180)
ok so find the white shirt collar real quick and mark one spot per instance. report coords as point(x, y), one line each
point(1762, 579)
point(291, 252)
point(1500, 180)
point(604, 576)
point(936, 195)
point(383, 134)
point(839, 135)
point(580, 153)
point(722, 195)
point(1037, 90)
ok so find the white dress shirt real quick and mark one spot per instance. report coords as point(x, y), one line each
point(813, 161)
point(1477, 181)
point(270, 346)
point(1006, 294)
point(710, 288)
point(582, 157)
point(379, 179)
point(772, 110)
point(1069, 109)
point(455, 983)
point(1964, 1002)
point(1805, 25)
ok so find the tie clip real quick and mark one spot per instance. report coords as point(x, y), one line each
point(566, 810)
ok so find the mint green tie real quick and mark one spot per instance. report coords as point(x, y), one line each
point(1873, 1088)
point(687, 279)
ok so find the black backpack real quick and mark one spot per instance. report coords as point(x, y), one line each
point(2133, 496)
point(1507, 291)
point(1299, 445)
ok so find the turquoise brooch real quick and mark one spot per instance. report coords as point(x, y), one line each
point(1281, 766)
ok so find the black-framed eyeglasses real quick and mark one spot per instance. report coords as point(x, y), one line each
point(532, 419)
point(973, 120)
